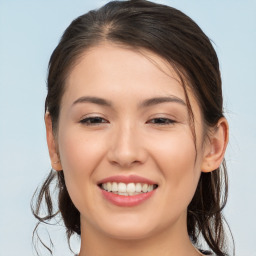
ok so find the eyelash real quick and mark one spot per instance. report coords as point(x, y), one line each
point(163, 121)
point(90, 121)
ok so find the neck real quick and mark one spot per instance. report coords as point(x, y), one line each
point(170, 241)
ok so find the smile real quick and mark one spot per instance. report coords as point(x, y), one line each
point(129, 189)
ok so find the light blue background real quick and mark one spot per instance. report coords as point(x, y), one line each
point(30, 30)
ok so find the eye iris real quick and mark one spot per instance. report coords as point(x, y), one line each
point(95, 120)
point(161, 121)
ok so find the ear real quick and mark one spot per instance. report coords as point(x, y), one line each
point(216, 146)
point(52, 145)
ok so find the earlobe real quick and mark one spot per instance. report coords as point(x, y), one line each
point(215, 150)
point(51, 142)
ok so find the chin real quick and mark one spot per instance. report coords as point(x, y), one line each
point(129, 226)
point(129, 234)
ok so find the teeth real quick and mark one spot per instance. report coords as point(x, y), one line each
point(123, 193)
point(127, 189)
point(137, 187)
point(109, 186)
point(150, 188)
point(145, 188)
point(114, 187)
point(122, 187)
point(130, 188)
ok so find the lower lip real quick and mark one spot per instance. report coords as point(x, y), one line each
point(127, 201)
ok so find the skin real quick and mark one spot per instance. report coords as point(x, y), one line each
point(131, 139)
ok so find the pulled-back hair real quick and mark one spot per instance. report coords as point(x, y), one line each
point(175, 37)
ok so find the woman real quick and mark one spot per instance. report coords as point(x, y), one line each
point(136, 133)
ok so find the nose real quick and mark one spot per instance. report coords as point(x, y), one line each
point(127, 148)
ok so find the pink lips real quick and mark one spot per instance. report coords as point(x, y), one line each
point(127, 201)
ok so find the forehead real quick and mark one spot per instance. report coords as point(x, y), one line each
point(109, 70)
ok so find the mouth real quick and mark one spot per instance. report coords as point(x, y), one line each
point(127, 189)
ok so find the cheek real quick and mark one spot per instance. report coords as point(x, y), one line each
point(79, 156)
point(175, 152)
point(176, 158)
point(79, 153)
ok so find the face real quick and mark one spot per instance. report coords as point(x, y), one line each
point(123, 122)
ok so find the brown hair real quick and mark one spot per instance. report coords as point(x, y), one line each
point(178, 39)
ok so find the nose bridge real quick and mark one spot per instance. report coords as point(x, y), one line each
point(126, 148)
point(126, 135)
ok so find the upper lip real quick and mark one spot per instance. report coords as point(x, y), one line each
point(127, 179)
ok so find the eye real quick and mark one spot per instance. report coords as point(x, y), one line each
point(94, 120)
point(161, 121)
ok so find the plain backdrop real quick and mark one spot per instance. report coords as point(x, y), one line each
point(30, 30)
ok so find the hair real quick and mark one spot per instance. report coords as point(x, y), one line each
point(175, 37)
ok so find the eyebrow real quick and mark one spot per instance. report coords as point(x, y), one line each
point(154, 101)
point(95, 100)
point(146, 103)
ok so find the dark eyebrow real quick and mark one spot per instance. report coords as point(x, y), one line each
point(153, 101)
point(146, 103)
point(94, 100)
